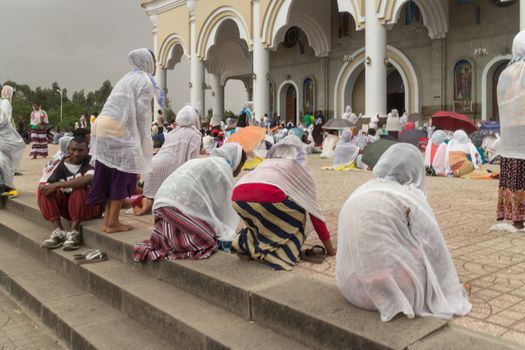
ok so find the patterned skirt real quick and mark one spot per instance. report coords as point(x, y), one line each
point(511, 195)
point(39, 143)
point(176, 236)
point(273, 233)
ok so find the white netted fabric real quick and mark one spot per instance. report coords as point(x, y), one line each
point(460, 142)
point(121, 135)
point(345, 152)
point(290, 176)
point(328, 146)
point(232, 152)
point(391, 255)
point(202, 189)
point(11, 143)
point(511, 100)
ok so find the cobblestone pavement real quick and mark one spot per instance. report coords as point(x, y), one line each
point(18, 331)
point(493, 262)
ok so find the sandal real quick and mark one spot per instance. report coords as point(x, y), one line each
point(314, 255)
point(84, 254)
point(91, 257)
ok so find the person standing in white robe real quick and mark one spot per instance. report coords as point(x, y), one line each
point(11, 144)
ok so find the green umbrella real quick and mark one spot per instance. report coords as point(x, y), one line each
point(374, 151)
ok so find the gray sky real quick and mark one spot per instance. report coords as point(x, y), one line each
point(81, 43)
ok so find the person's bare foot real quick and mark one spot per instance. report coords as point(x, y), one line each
point(243, 257)
point(103, 229)
point(137, 211)
point(119, 227)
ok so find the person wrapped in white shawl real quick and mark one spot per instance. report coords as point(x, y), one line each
point(391, 255)
point(11, 145)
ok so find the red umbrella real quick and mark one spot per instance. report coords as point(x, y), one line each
point(453, 121)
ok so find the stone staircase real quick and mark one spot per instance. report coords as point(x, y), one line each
point(219, 303)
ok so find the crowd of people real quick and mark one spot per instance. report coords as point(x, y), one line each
point(396, 262)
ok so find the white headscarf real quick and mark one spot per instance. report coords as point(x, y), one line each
point(511, 100)
point(391, 255)
point(461, 143)
point(289, 149)
point(202, 189)
point(188, 117)
point(402, 163)
point(231, 152)
point(7, 93)
point(437, 139)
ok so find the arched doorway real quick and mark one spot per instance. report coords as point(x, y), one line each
point(395, 88)
point(495, 78)
point(288, 101)
point(291, 104)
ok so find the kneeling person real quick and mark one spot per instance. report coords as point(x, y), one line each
point(65, 194)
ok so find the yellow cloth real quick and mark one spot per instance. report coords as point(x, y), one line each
point(252, 163)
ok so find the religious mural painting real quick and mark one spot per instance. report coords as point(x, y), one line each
point(463, 86)
point(308, 95)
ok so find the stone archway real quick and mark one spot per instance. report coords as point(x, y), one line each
point(350, 71)
point(488, 92)
point(288, 101)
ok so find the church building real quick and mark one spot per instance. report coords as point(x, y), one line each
point(300, 56)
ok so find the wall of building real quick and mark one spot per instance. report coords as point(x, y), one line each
point(497, 28)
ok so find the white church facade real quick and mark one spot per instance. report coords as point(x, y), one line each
point(300, 56)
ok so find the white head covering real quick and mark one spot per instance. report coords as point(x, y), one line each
point(231, 152)
point(391, 255)
point(188, 117)
point(511, 100)
point(402, 163)
point(63, 145)
point(289, 149)
point(437, 139)
point(7, 92)
point(461, 143)
point(346, 136)
point(202, 189)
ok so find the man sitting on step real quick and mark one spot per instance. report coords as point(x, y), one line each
point(65, 194)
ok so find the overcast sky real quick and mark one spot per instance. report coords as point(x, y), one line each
point(81, 43)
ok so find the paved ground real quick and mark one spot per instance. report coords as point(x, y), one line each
point(493, 262)
point(19, 331)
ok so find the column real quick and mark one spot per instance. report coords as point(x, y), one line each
point(375, 67)
point(439, 74)
point(196, 65)
point(153, 19)
point(522, 14)
point(218, 90)
point(261, 68)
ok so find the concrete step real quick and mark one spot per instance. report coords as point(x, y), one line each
point(76, 316)
point(184, 320)
point(294, 305)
